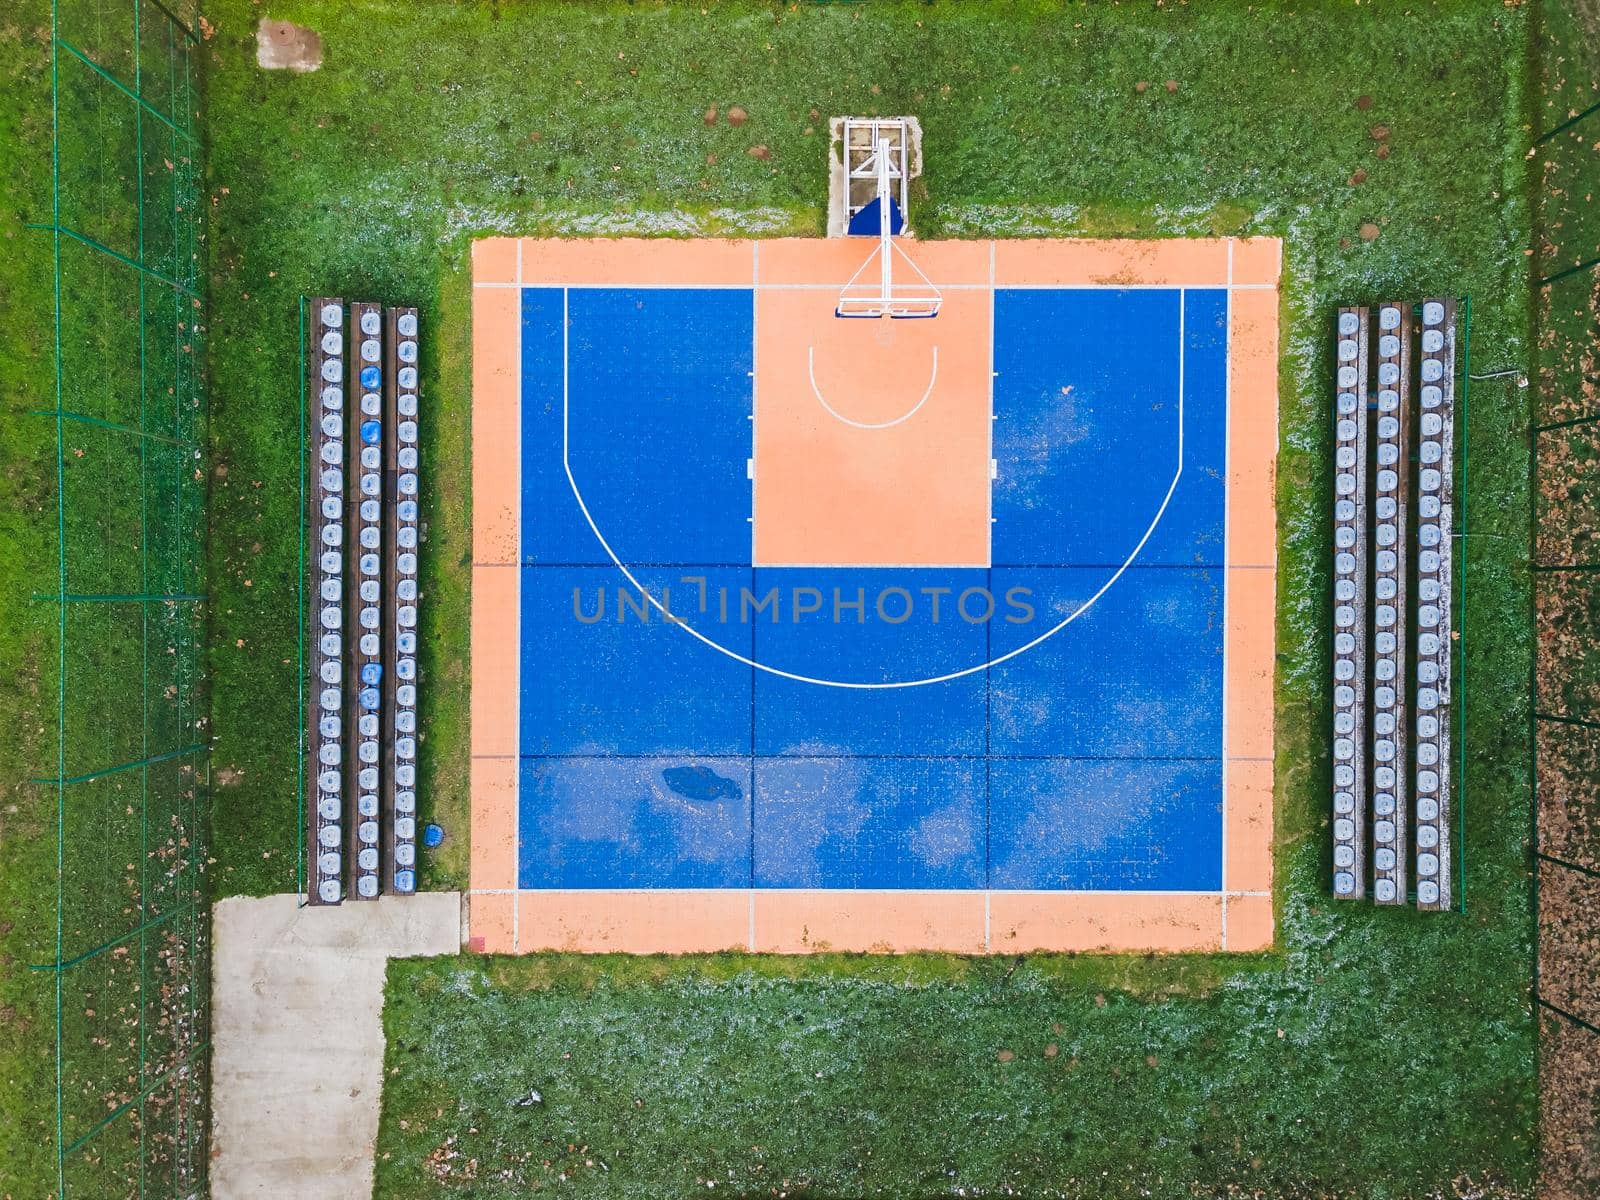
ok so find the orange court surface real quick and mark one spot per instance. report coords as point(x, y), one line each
point(793, 633)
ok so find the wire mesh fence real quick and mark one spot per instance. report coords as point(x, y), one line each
point(1566, 562)
point(127, 962)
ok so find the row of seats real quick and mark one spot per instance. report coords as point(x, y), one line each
point(1350, 604)
point(1389, 640)
point(1392, 479)
point(1436, 429)
point(325, 883)
point(405, 526)
point(366, 436)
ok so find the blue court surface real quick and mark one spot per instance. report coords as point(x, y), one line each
point(1051, 721)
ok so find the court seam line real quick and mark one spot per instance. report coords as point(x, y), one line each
point(1226, 566)
point(1227, 488)
point(566, 462)
point(744, 756)
point(755, 351)
point(792, 566)
point(992, 472)
point(516, 782)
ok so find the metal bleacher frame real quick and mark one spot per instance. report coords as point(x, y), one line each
point(1435, 512)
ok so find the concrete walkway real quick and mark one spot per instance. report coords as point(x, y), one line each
point(297, 1038)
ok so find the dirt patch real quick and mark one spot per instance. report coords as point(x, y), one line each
point(1569, 1126)
point(1569, 817)
point(1569, 941)
point(285, 46)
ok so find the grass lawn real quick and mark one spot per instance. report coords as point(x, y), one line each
point(103, 871)
point(1385, 1054)
point(27, 644)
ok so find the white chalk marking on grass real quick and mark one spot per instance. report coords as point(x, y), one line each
point(683, 624)
point(811, 370)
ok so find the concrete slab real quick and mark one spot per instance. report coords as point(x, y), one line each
point(283, 46)
point(297, 1037)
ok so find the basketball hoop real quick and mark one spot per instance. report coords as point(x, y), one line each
point(883, 296)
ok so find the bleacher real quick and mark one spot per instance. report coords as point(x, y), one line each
point(1391, 662)
point(363, 730)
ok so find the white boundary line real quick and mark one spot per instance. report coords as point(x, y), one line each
point(681, 623)
point(755, 350)
point(1223, 893)
point(805, 891)
point(811, 371)
point(1220, 285)
point(988, 458)
point(516, 703)
point(1227, 560)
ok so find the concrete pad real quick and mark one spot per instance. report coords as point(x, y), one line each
point(283, 46)
point(297, 1037)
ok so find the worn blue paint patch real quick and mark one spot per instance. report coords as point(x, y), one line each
point(1113, 825)
point(598, 678)
point(856, 822)
point(1138, 675)
point(870, 643)
point(610, 822)
point(1087, 422)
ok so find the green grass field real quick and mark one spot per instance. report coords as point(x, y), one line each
point(27, 813)
point(1376, 1054)
point(103, 872)
point(849, 1077)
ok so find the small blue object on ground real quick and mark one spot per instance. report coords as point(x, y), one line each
point(432, 835)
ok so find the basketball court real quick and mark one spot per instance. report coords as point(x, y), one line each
point(796, 633)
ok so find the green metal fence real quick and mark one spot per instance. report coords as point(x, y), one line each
point(1566, 564)
point(126, 603)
